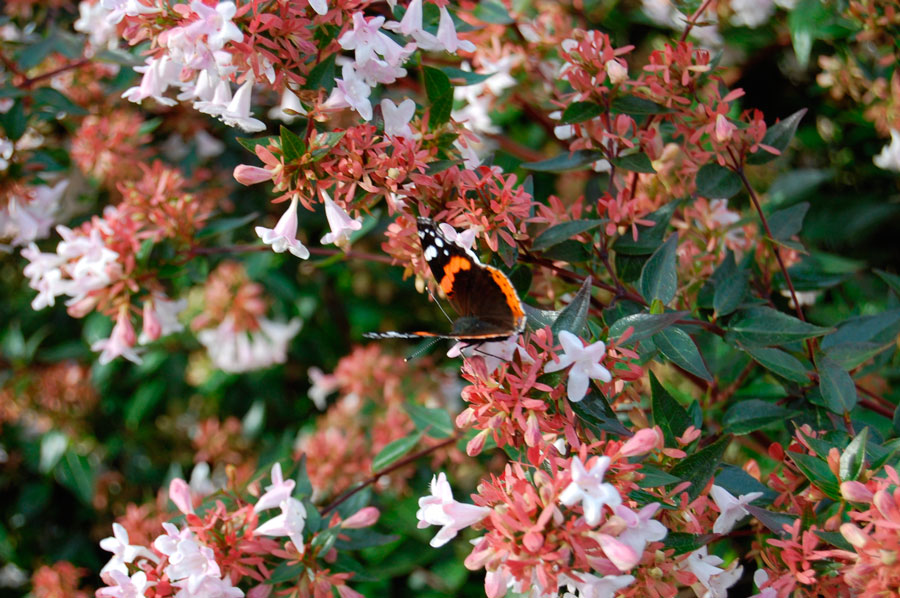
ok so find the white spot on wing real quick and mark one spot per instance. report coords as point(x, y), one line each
point(439, 242)
point(431, 253)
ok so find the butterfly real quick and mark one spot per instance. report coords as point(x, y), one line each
point(488, 306)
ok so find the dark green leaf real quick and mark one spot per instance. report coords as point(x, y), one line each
point(394, 451)
point(880, 328)
point(836, 539)
point(291, 144)
point(250, 143)
point(595, 412)
point(818, 473)
point(558, 233)
point(634, 163)
point(577, 112)
point(573, 317)
point(322, 75)
point(645, 325)
point(538, 318)
point(286, 572)
point(436, 421)
point(468, 77)
point(766, 326)
point(786, 223)
point(32, 55)
point(74, 471)
point(489, 11)
point(715, 181)
point(892, 280)
point(637, 106)
point(853, 457)
point(730, 293)
point(659, 278)
point(565, 161)
point(304, 487)
point(700, 467)
point(774, 521)
point(654, 477)
point(570, 251)
point(14, 121)
point(357, 539)
point(678, 346)
point(143, 401)
point(752, 415)
point(684, 543)
point(48, 96)
point(738, 482)
point(836, 386)
point(440, 94)
point(223, 225)
point(778, 135)
point(668, 413)
point(778, 361)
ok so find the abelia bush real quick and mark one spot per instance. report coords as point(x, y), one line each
point(211, 219)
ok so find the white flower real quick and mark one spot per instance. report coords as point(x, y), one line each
point(284, 236)
point(889, 158)
point(441, 509)
point(126, 587)
point(712, 577)
point(239, 351)
point(165, 313)
point(493, 353)
point(29, 218)
point(353, 91)
point(320, 6)
point(592, 586)
point(446, 34)
point(92, 20)
point(289, 108)
point(760, 578)
point(751, 13)
point(159, 74)
point(215, 23)
point(640, 528)
point(396, 118)
point(588, 488)
point(120, 342)
point(465, 239)
point(237, 113)
point(218, 103)
point(322, 385)
point(189, 561)
point(290, 523)
point(585, 362)
point(366, 40)
point(731, 509)
point(123, 552)
point(341, 224)
point(278, 492)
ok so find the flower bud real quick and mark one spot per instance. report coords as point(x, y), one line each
point(152, 329)
point(724, 128)
point(476, 445)
point(616, 72)
point(642, 442)
point(856, 492)
point(180, 494)
point(250, 175)
point(362, 518)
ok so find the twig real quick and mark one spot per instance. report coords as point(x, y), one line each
point(374, 478)
point(693, 19)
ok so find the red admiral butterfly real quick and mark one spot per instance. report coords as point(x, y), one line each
point(488, 306)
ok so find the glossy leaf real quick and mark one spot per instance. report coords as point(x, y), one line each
point(645, 325)
point(433, 422)
point(818, 473)
point(779, 362)
point(668, 414)
point(766, 326)
point(573, 317)
point(322, 75)
point(634, 106)
point(395, 451)
point(561, 232)
point(577, 112)
point(677, 345)
point(700, 467)
point(836, 385)
point(634, 163)
point(291, 144)
point(565, 161)
point(752, 415)
point(778, 135)
point(730, 293)
point(788, 222)
point(715, 181)
point(853, 457)
point(659, 278)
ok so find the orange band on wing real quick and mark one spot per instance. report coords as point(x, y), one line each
point(509, 292)
point(455, 264)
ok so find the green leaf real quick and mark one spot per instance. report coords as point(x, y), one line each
point(224, 225)
point(538, 318)
point(730, 292)
point(645, 325)
point(561, 232)
point(633, 106)
point(683, 542)
point(892, 280)
point(752, 415)
point(780, 134)
point(577, 112)
point(573, 317)
point(766, 326)
point(15, 121)
point(805, 23)
point(468, 77)
point(836, 385)
point(594, 410)
point(489, 11)
point(779, 362)
point(322, 75)
point(145, 398)
point(436, 421)
point(565, 161)
point(53, 446)
point(786, 223)
point(48, 96)
point(250, 143)
point(853, 457)
point(357, 539)
point(634, 163)
point(678, 346)
point(818, 473)
point(774, 521)
point(880, 328)
point(700, 467)
point(659, 278)
point(654, 477)
point(394, 451)
point(649, 237)
point(440, 94)
point(286, 572)
point(291, 145)
point(668, 414)
point(304, 487)
point(74, 471)
point(717, 182)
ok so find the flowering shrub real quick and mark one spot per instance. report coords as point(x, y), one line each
point(205, 206)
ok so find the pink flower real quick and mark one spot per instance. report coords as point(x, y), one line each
point(441, 509)
point(446, 34)
point(216, 24)
point(642, 442)
point(180, 494)
point(640, 527)
point(342, 225)
point(585, 362)
point(159, 74)
point(365, 517)
point(123, 551)
point(588, 488)
point(284, 236)
point(279, 491)
point(120, 343)
point(353, 91)
point(237, 113)
point(251, 175)
point(366, 40)
point(135, 586)
point(706, 569)
point(724, 128)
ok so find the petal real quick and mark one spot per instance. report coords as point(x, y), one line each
point(578, 384)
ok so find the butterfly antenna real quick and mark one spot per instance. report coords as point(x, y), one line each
point(477, 349)
point(440, 307)
point(420, 350)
